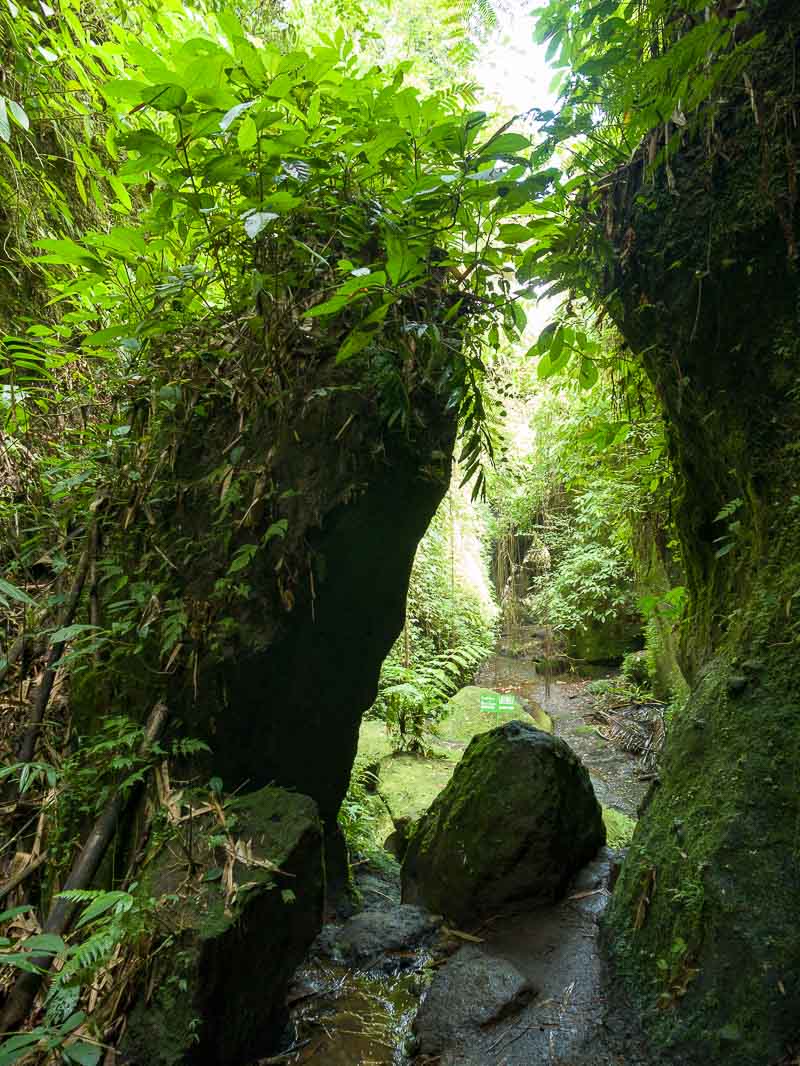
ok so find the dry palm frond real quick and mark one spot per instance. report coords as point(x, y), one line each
point(637, 729)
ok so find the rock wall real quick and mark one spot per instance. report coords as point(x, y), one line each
point(703, 918)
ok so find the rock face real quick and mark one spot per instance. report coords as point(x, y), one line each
point(518, 818)
point(471, 991)
point(239, 934)
point(711, 883)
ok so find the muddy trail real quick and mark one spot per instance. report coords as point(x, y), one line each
point(363, 1008)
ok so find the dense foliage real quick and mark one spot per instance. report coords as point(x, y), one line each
point(197, 207)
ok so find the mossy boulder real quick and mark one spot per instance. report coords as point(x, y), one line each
point(239, 927)
point(408, 784)
point(607, 643)
point(518, 818)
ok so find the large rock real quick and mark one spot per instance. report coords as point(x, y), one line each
point(240, 929)
point(518, 818)
point(471, 991)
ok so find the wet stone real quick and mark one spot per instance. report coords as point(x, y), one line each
point(369, 938)
point(468, 994)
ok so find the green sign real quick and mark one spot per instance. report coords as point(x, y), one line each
point(494, 703)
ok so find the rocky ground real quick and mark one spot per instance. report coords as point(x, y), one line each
point(393, 984)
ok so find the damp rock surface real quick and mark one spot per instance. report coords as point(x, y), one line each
point(516, 821)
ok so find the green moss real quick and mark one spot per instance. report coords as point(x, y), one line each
point(619, 828)
point(410, 783)
point(463, 718)
point(587, 731)
point(516, 820)
point(374, 741)
point(607, 643)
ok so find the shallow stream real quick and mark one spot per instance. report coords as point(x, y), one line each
point(347, 1017)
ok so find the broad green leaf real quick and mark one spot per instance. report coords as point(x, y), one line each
point(6, 916)
point(13, 593)
point(16, 1047)
point(255, 222)
point(70, 632)
point(247, 135)
point(82, 1054)
point(46, 943)
point(166, 97)
point(122, 193)
point(403, 263)
point(18, 114)
point(513, 233)
point(355, 342)
point(72, 1023)
point(506, 144)
point(588, 373)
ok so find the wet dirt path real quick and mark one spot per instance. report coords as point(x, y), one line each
point(615, 775)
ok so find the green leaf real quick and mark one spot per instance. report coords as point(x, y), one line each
point(18, 114)
point(14, 1049)
point(403, 263)
point(277, 529)
point(255, 221)
point(73, 1022)
point(122, 193)
point(82, 1054)
point(513, 233)
point(165, 97)
point(354, 343)
point(104, 902)
point(6, 916)
point(13, 593)
point(588, 373)
point(242, 558)
point(47, 943)
point(505, 144)
point(247, 135)
point(5, 125)
point(70, 632)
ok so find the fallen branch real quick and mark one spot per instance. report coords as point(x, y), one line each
point(13, 882)
point(23, 993)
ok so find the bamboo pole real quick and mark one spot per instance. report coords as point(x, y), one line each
point(23, 993)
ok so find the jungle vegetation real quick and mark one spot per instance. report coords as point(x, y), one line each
point(201, 207)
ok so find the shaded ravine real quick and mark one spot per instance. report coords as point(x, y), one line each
point(365, 1018)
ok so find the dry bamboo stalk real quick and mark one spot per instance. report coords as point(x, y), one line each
point(23, 993)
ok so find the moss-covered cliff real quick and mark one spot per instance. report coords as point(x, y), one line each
point(703, 917)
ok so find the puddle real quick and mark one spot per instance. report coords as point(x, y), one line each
point(343, 1017)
